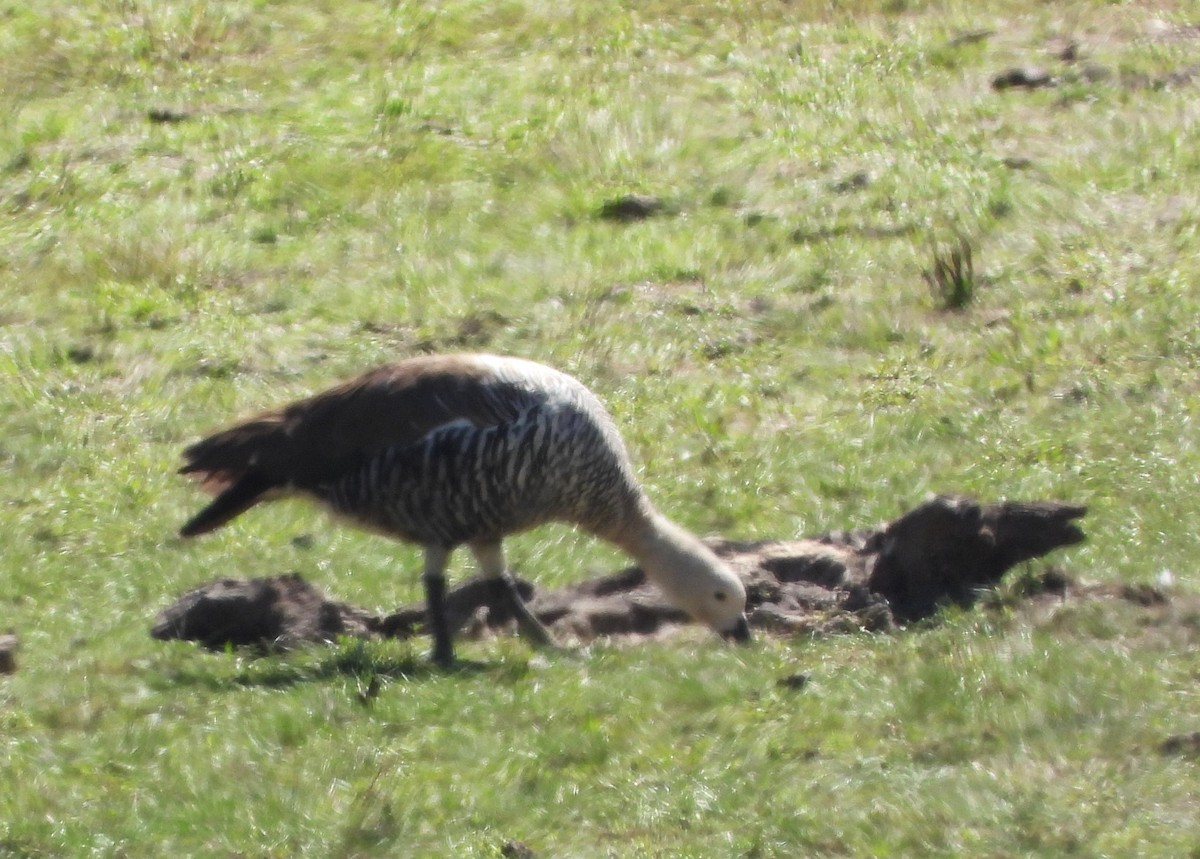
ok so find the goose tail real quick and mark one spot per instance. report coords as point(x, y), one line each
point(234, 500)
point(227, 465)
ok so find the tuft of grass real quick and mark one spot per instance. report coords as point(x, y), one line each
point(951, 277)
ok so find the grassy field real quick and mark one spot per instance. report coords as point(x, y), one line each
point(211, 207)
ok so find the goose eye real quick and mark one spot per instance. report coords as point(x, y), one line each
point(719, 596)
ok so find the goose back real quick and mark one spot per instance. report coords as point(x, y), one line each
point(443, 449)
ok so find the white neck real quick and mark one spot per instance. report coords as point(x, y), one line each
point(686, 569)
point(658, 544)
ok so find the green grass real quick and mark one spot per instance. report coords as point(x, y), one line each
point(354, 182)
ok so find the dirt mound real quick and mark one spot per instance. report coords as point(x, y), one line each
point(280, 610)
point(949, 549)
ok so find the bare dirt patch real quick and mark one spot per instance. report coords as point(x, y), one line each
point(949, 549)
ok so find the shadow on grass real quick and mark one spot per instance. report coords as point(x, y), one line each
point(802, 236)
point(354, 659)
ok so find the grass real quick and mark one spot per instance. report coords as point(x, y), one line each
point(210, 207)
point(952, 277)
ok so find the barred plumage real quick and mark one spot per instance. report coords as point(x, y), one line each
point(462, 449)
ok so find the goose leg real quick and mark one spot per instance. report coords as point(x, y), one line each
point(435, 604)
point(490, 556)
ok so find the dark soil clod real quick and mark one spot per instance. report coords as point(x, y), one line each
point(1022, 78)
point(8, 653)
point(1181, 745)
point(632, 207)
point(795, 682)
point(167, 115)
point(516, 850)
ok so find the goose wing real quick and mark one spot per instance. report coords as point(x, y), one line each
point(320, 438)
